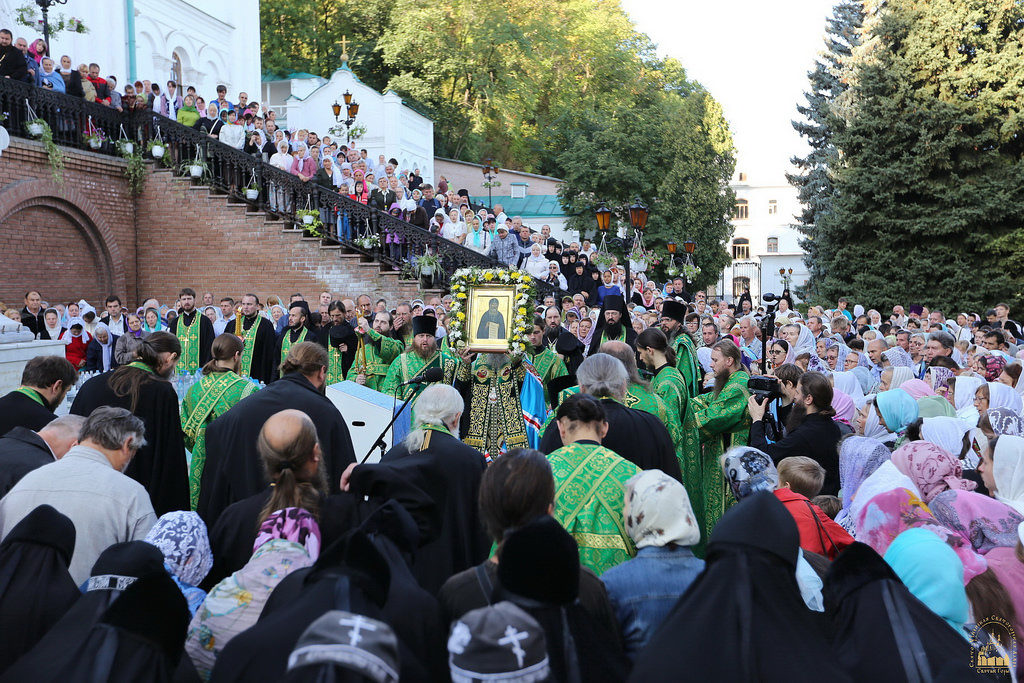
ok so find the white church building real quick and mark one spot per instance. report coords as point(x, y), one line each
point(764, 241)
point(389, 126)
point(194, 42)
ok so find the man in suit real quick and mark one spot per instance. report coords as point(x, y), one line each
point(23, 450)
point(115, 320)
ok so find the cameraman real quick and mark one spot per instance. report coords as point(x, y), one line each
point(788, 375)
point(810, 430)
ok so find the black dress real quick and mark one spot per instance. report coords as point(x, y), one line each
point(160, 465)
point(19, 410)
point(21, 451)
point(234, 469)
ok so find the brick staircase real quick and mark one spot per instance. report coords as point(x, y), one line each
point(224, 245)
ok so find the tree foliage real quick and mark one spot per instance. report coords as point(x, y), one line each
point(929, 182)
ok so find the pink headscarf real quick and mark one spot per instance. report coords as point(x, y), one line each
point(932, 468)
point(844, 407)
point(917, 388)
point(291, 524)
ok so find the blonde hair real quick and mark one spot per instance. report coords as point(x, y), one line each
point(804, 475)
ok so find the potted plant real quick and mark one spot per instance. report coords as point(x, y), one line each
point(428, 263)
point(252, 191)
point(36, 127)
point(94, 138)
point(371, 241)
point(690, 271)
point(603, 260)
point(307, 216)
point(196, 168)
point(641, 259)
point(672, 270)
point(125, 147)
point(156, 148)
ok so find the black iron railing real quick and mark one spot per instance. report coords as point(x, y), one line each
point(231, 171)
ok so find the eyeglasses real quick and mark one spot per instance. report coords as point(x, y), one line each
point(777, 352)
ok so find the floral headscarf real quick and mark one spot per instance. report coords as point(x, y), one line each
point(889, 514)
point(182, 538)
point(1005, 421)
point(898, 358)
point(938, 376)
point(748, 471)
point(659, 511)
point(993, 366)
point(291, 524)
point(983, 522)
point(859, 456)
point(932, 468)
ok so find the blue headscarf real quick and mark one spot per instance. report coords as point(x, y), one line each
point(933, 572)
point(897, 408)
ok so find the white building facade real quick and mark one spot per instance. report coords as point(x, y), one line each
point(391, 127)
point(763, 242)
point(194, 42)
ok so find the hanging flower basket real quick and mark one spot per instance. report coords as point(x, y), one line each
point(128, 148)
point(603, 261)
point(307, 220)
point(639, 266)
point(252, 194)
point(157, 151)
point(35, 128)
point(195, 170)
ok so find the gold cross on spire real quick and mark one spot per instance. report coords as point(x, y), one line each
point(344, 48)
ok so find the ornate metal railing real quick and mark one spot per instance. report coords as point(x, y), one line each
point(231, 171)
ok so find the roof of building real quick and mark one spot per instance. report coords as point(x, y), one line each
point(510, 170)
point(532, 206)
point(269, 77)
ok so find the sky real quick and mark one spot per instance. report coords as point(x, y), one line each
point(753, 57)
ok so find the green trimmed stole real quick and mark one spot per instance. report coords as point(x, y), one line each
point(211, 396)
point(34, 395)
point(189, 359)
point(335, 369)
point(139, 365)
point(286, 340)
point(248, 345)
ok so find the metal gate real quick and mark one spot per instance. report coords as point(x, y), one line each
point(745, 274)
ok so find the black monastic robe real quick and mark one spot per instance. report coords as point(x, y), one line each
point(264, 349)
point(19, 410)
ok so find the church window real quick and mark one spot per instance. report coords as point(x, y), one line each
point(741, 211)
point(773, 207)
point(740, 249)
point(739, 285)
point(773, 245)
point(176, 68)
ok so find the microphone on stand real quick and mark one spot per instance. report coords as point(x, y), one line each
point(426, 377)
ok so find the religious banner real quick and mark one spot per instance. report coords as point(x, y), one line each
point(491, 311)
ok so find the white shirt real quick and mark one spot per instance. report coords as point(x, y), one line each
point(452, 231)
point(232, 134)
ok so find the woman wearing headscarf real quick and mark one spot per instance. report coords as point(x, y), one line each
point(847, 383)
point(99, 354)
point(935, 406)
point(151, 321)
point(846, 412)
point(1003, 471)
point(991, 365)
point(288, 540)
point(964, 389)
point(867, 381)
point(642, 590)
point(984, 522)
point(872, 611)
point(537, 264)
point(932, 469)
point(182, 538)
point(917, 389)
point(933, 572)
point(998, 421)
point(998, 395)
point(896, 410)
point(894, 378)
point(754, 624)
point(859, 457)
point(889, 514)
point(36, 589)
point(945, 432)
point(76, 342)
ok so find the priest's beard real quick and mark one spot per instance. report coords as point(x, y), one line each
point(425, 353)
point(720, 380)
point(796, 416)
point(495, 360)
point(613, 330)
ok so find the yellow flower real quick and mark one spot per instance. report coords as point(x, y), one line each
point(460, 295)
point(515, 275)
point(488, 276)
point(461, 316)
point(521, 310)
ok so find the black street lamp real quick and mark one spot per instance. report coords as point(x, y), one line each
point(689, 246)
point(490, 171)
point(637, 220)
point(45, 6)
point(351, 111)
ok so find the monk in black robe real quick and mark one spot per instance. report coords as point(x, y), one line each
point(233, 467)
point(258, 335)
point(186, 318)
point(449, 471)
point(613, 324)
point(142, 388)
point(45, 382)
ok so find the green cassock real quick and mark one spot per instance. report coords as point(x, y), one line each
point(686, 361)
point(636, 397)
point(713, 425)
point(206, 400)
point(379, 352)
point(549, 365)
point(589, 494)
point(669, 385)
point(409, 365)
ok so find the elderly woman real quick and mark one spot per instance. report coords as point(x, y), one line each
point(537, 263)
point(127, 345)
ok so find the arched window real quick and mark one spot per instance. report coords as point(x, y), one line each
point(740, 249)
point(739, 285)
point(741, 211)
point(773, 245)
point(176, 68)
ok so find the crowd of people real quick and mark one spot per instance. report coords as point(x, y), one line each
point(688, 473)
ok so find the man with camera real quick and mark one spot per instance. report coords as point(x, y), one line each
point(810, 430)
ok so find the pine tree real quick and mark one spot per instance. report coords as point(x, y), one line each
point(814, 182)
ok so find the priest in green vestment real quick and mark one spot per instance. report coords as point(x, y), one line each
point(613, 324)
point(376, 350)
point(296, 332)
point(549, 365)
point(493, 420)
point(590, 485)
point(673, 324)
point(715, 422)
point(194, 332)
point(220, 388)
point(423, 354)
point(668, 384)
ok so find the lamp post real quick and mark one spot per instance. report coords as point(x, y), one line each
point(689, 246)
point(637, 220)
point(45, 6)
point(351, 111)
point(490, 171)
point(787, 277)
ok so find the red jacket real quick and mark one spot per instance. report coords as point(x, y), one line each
point(818, 532)
point(75, 350)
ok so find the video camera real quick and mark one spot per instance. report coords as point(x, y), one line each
point(765, 387)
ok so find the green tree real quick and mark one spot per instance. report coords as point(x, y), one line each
point(930, 186)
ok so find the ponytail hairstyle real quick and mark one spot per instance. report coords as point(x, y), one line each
point(305, 357)
point(224, 348)
point(127, 380)
point(817, 386)
point(655, 339)
point(284, 470)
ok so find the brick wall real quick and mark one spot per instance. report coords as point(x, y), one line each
point(88, 237)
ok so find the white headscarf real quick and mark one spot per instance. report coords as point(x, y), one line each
point(899, 376)
point(963, 395)
point(873, 427)
point(658, 511)
point(886, 478)
point(108, 347)
point(1004, 396)
point(67, 336)
point(1008, 471)
point(945, 432)
point(847, 382)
